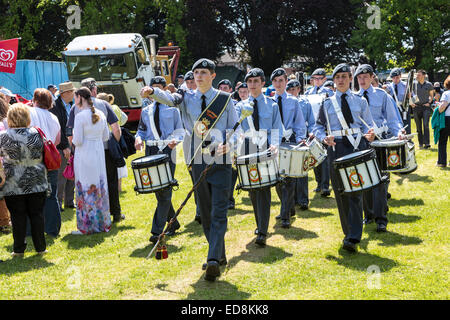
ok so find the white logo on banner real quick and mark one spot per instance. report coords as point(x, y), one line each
point(6, 55)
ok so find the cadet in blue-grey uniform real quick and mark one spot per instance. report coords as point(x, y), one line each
point(397, 89)
point(384, 114)
point(292, 120)
point(301, 184)
point(266, 118)
point(226, 86)
point(352, 107)
point(322, 171)
point(207, 113)
point(160, 122)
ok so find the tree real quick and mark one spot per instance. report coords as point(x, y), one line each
point(412, 34)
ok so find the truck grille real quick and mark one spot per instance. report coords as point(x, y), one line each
point(118, 91)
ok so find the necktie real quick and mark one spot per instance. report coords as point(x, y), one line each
point(366, 95)
point(346, 109)
point(280, 107)
point(203, 103)
point(396, 91)
point(156, 118)
point(255, 115)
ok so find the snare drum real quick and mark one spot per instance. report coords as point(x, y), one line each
point(293, 162)
point(257, 170)
point(357, 171)
point(152, 173)
point(411, 164)
point(391, 154)
point(318, 152)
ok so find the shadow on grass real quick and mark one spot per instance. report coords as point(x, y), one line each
point(402, 218)
point(361, 261)
point(18, 265)
point(77, 242)
point(323, 202)
point(246, 201)
point(388, 239)
point(217, 290)
point(143, 252)
point(311, 214)
point(68, 215)
point(413, 177)
point(405, 202)
point(193, 228)
point(294, 233)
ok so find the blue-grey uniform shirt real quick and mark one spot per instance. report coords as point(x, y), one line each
point(319, 90)
point(399, 116)
point(191, 108)
point(358, 107)
point(383, 110)
point(401, 88)
point(269, 117)
point(308, 114)
point(169, 123)
point(292, 115)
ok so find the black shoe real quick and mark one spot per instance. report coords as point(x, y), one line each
point(349, 246)
point(119, 218)
point(231, 206)
point(256, 231)
point(61, 209)
point(381, 228)
point(154, 239)
point(285, 224)
point(173, 228)
point(325, 193)
point(427, 146)
point(317, 189)
point(278, 217)
point(303, 207)
point(198, 219)
point(261, 240)
point(292, 212)
point(387, 209)
point(70, 206)
point(212, 270)
point(222, 262)
point(388, 195)
point(368, 221)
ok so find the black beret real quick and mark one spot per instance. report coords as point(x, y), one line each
point(319, 72)
point(364, 68)
point(292, 84)
point(180, 76)
point(395, 72)
point(225, 81)
point(189, 76)
point(277, 72)
point(255, 72)
point(328, 83)
point(158, 80)
point(342, 67)
point(204, 64)
point(242, 85)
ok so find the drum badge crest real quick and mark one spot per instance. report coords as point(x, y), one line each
point(253, 174)
point(201, 127)
point(356, 180)
point(393, 159)
point(309, 163)
point(145, 178)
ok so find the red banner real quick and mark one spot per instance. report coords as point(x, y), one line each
point(8, 55)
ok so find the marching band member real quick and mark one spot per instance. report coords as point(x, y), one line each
point(242, 90)
point(265, 119)
point(206, 111)
point(301, 185)
point(397, 89)
point(322, 171)
point(293, 122)
point(344, 135)
point(387, 123)
point(160, 122)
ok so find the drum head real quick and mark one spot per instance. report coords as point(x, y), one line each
point(149, 161)
point(387, 143)
point(255, 157)
point(354, 158)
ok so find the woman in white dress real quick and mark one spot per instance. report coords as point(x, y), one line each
point(91, 187)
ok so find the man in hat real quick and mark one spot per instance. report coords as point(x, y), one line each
point(329, 84)
point(111, 169)
point(387, 124)
point(159, 123)
point(294, 132)
point(339, 126)
point(189, 82)
point(397, 89)
point(265, 128)
point(53, 90)
point(207, 113)
point(61, 110)
point(319, 77)
point(8, 94)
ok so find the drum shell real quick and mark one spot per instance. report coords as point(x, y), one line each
point(390, 157)
point(294, 163)
point(411, 163)
point(152, 176)
point(257, 171)
point(317, 151)
point(357, 173)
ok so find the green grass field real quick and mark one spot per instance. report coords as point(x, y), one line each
point(411, 261)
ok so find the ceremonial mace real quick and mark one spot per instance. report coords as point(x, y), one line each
point(247, 110)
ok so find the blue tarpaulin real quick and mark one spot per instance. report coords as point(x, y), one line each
point(32, 74)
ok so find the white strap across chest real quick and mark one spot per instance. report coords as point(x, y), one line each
point(152, 123)
point(348, 132)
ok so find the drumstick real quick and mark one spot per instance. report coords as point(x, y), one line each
point(369, 128)
point(328, 124)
